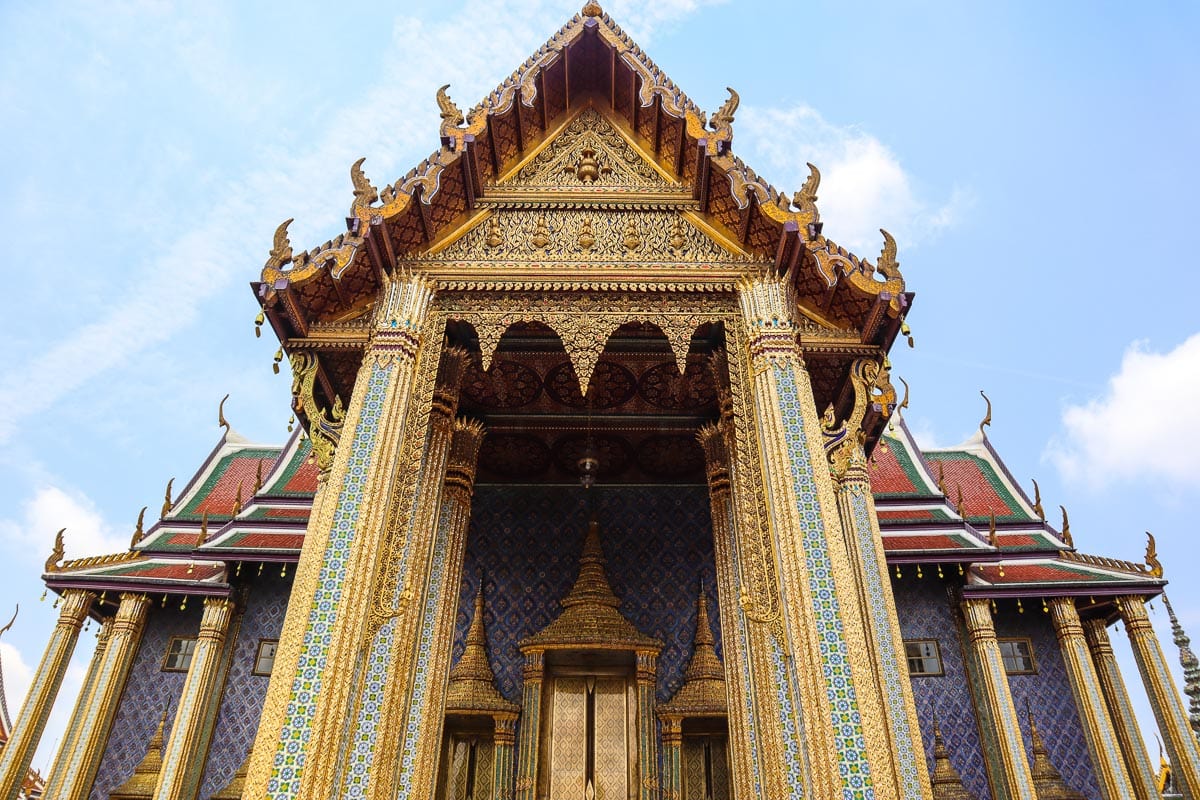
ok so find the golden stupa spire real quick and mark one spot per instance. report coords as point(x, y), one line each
point(947, 783)
point(141, 783)
point(1047, 782)
point(592, 586)
point(472, 682)
point(234, 789)
point(703, 690)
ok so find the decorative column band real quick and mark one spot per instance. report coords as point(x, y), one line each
point(183, 758)
point(504, 736)
point(1129, 735)
point(533, 673)
point(768, 308)
point(31, 722)
point(1164, 697)
point(672, 740)
point(1089, 700)
point(1006, 760)
point(647, 742)
point(75, 768)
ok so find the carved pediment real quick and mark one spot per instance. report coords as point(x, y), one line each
point(589, 154)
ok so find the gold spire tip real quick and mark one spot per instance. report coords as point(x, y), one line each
point(592, 9)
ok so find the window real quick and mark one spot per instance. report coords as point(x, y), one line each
point(264, 661)
point(924, 657)
point(1018, 656)
point(179, 654)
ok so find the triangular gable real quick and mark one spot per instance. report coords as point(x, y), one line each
point(987, 487)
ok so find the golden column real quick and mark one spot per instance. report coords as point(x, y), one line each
point(1129, 735)
point(647, 741)
point(1004, 749)
point(79, 757)
point(1089, 699)
point(533, 673)
point(833, 724)
point(864, 543)
point(672, 740)
point(54, 780)
point(306, 708)
point(398, 690)
point(504, 736)
point(184, 757)
point(717, 440)
point(27, 729)
point(1164, 697)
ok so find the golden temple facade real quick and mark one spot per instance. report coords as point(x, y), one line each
point(600, 492)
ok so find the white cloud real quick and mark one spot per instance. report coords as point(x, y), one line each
point(52, 508)
point(863, 185)
point(1127, 434)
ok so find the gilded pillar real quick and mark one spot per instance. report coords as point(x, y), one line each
point(717, 441)
point(647, 741)
point(831, 712)
point(533, 674)
point(504, 737)
point(306, 709)
point(27, 729)
point(79, 757)
point(1129, 735)
point(1089, 700)
point(1164, 697)
point(412, 616)
point(864, 544)
point(1004, 749)
point(672, 741)
point(184, 757)
point(54, 780)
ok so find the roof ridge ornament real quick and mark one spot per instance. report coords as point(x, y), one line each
point(138, 530)
point(592, 9)
point(1037, 501)
point(452, 118)
point(986, 422)
point(1068, 540)
point(805, 200)
point(221, 421)
point(365, 192)
point(1155, 566)
point(54, 562)
point(888, 266)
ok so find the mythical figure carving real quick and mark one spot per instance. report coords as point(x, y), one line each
point(325, 431)
point(364, 192)
point(452, 116)
point(54, 562)
point(805, 200)
point(722, 120)
point(888, 266)
point(1156, 567)
point(281, 250)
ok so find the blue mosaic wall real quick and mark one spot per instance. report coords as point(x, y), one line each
point(658, 542)
point(237, 718)
point(148, 692)
point(925, 613)
point(1048, 694)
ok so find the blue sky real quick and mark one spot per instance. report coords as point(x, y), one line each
point(1035, 161)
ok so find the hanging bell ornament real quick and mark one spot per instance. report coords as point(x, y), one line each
point(258, 323)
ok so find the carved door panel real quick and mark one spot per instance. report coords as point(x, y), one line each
point(589, 739)
point(705, 765)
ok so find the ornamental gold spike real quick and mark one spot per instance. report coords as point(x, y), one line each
point(364, 193)
point(237, 501)
point(258, 478)
point(1156, 567)
point(7, 627)
point(722, 120)
point(942, 479)
point(53, 563)
point(1066, 528)
point(138, 531)
point(452, 115)
point(888, 266)
point(167, 503)
point(987, 417)
point(221, 421)
point(281, 249)
point(993, 538)
point(903, 403)
point(805, 200)
point(1037, 501)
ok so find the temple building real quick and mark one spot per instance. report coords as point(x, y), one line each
point(600, 488)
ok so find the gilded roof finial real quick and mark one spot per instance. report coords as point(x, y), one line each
point(888, 266)
point(806, 199)
point(364, 193)
point(1156, 567)
point(592, 9)
point(993, 538)
point(903, 403)
point(221, 421)
point(56, 555)
point(987, 418)
point(8, 627)
point(281, 249)
point(1066, 529)
point(237, 501)
point(942, 479)
point(258, 478)
point(959, 505)
point(452, 115)
point(1037, 501)
point(137, 531)
point(722, 120)
point(1191, 666)
point(203, 537)
point(166, 506)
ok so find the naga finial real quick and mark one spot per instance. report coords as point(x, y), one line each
point(806, 199)
point(1037, 501)
point(8, 627)
point(364, 193)
point(137, 530)
point(942, 479)
point(53, 563)
point(993, 538)
point(221, 421)
point(986, 422)
point(1156, 567)
point(452, 116)
point(1066, 529)
point(722, 121)
point(592, 9)
point(903, 403)
point(281, 250)
point(167, 502)
point(888, 266)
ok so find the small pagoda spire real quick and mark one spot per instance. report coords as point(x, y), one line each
point(1047, 782)
point(703, 690)
point(141, 783)
point(472, 683)
point(233, 790)
point(1191, 666)
point(592, 586)
point(947, 783)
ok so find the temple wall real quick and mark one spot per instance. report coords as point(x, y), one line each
point(527, 540)
point(242, 702)
point(148, 692)
point(925, 613)
point(1048, 694)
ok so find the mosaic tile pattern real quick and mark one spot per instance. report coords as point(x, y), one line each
point(141, 708)
point(242, 702)
point(925, 613)
point(658, 542)
point(1048, 693)
point(854, 767)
